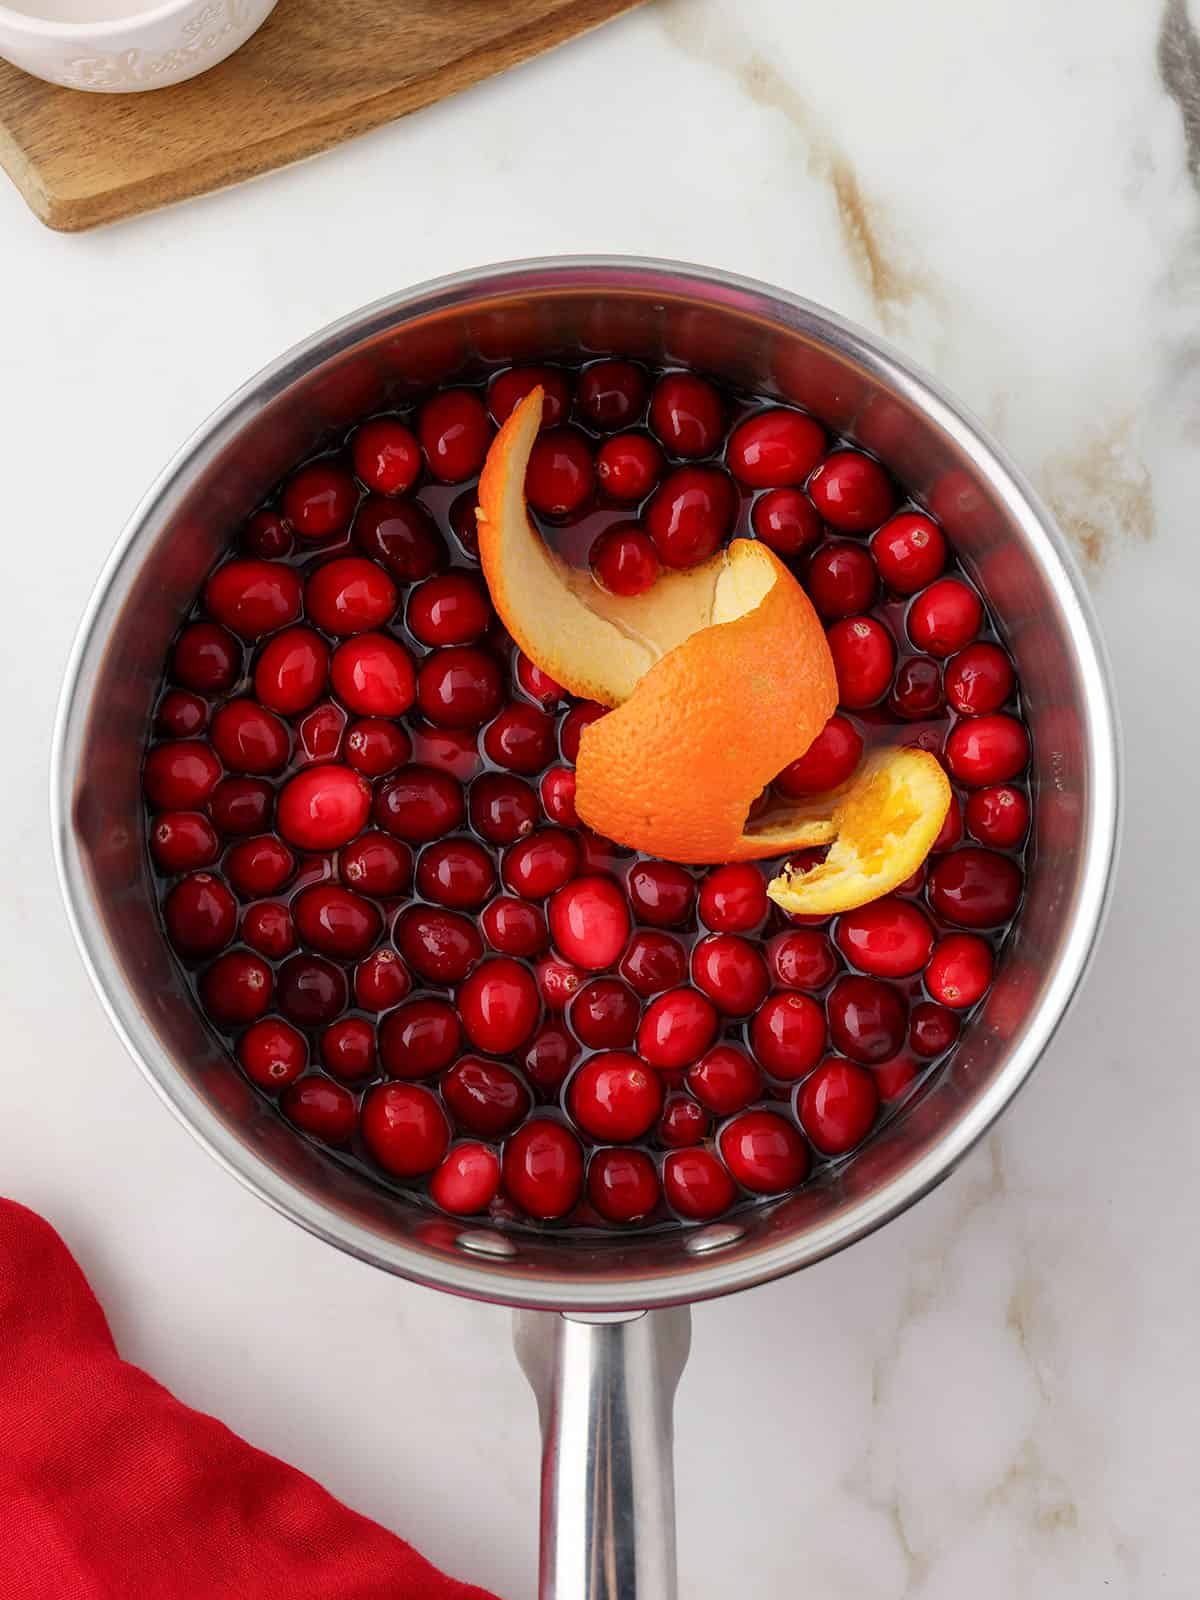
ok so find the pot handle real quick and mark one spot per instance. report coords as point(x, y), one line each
point(605, 1388)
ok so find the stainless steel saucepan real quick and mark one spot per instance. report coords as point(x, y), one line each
point(603, 1329)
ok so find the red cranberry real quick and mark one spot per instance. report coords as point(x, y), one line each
point(559, 982)
point(456, 872)
point(841, 579)
point(696, 1185)
point(236, 989)
point(441, 945)
point(249, 738)
point(320, 734)
point(654, 961)
point(268, 928)
point(888, 938)
point(950, 832)
point(376, 747)
point(893, 1077)
point(604, 1014)
point(787, 522)
point(863, 658)
point(336, 921)
point(975, 888)
point(802, 958)
point(852, 492)
point(690, 515)
point(323, 807)
point(484, 1097)
point(402, 536)
point(419, 804)
point(661, 893)
point(622, 1185)
point(272, 1053)
point(684, 1122)
point(252, 597)
point(508, 389)
point(764, 1152)
point(241, 805)
point(560, 474)
point(538, 865)
point(503, 809)
point(467, 1180)
point(180, 715)
point(571, 729)
point(521, 738)
point(960, 970)
point(387, 457)
point(419, 1039)
point(787, 1034)
point(200, 914)
point(267, 535)
point(866, 1019)
point(292, 671)
point(600, 855)
point(733, 899)
point(181, 841)
point(498, 1004)
point(611, 394)
point(724, 1080)
point(319, 500)
point(259, 866)
point(945, 617)
point(589, 921)
point(979, 679)
point(676, 1029)
point(349, 595)
point(373, 675)
point(917, 692)
point(450, 609)
point(623, 560)
point(983, 750)
point(321, 1109)
point(180, 776)
point(454, 432)
point(452, 750)
point(909, 551)
point(686, 414)
point(550, 1056)
point(459, 687)
point(998, 816)
point(404, 1128)
point(730, 972)
point(543, 1169)
point(557, 794)
point(311, 990)
point(514, 927)
point(348, 1049)
point(629, 466)
point(207, 658)
point(615, 1097)
point(830, 759)
point(381, 981)
point(538, 685)
point(775, 448)
point(837, 1106)
point(931, 1029)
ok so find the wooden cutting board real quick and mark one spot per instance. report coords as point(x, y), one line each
point(317, 72)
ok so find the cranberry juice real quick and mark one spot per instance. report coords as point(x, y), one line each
point(362, 824)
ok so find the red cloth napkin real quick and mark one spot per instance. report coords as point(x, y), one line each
point(110, 1489)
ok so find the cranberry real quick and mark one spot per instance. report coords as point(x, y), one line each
point(241, 805)
point(696, 1185)
point(611, 394)
point(181, 841)
point(272, 1053)
point(200, 914)
point(180, 715)
point(917, 692)
point(615, 1097)
point(538, 685)
point(550, 1056)
point(456, 872)
point(724, 1080)
point(292, 671)
point(450, 609)
point(557, 794)
point(402, 536)
point(558, 981)
point(866, 1019)
point(419, 1039)
point(454, 432)
point(653, 962)
point(830, 759)
point(998, 816)
point(604, 1014)
point(629, 466)
point(543, 1169)
point(733, 899)
point(623, 560)
point(387, 457)
point(459, 687)
point(975, 888)
point(984, 750)
point(572, 727)
point(837, 1105)
point(600, 855)
point(440, 945)
point(323, 807)
point(786, 521)
point(686, 414)
point(311, 990)
point(950, 832)
point(349, 595)
point(931, 1029)
point(538, 865)
point(589, 921)
point(373, 675)
point(852, 492)
point(841, 579)
point(498, 1004)
point(404, 1128)
point(268, 928)
point(259, 866)
point(730, 972)
point(863, 658)
point(503, 809)
point(509, 388)
point(690, 514)
point(419, 804)
point(381, 981)
point(451, 750)
point(207, 658)
point(560, 474)
point(252, 597)
point(267, 535)
point(764, 1152)
point(787, 1034)
point(376, 747)
point(484, 1097)
point(676, 1029)
point(336, 921)
point(979, 679)
point(909, 551)
point(661, 893)
point(775, 448)
point(515, 927)
point(802, 958)
point(249, 738)
point(320, 733)
point(622, 1185)
point(321, 1109)
point(348, 1049)
point(888, 938)
point(467, 1180)
point(236, 989)
point(180, 776)
point(684, 1122)
point(945, 617)
point(521, 738)
point(319, 500)
point(960, 970)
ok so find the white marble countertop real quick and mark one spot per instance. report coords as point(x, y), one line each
point(997, 1395)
